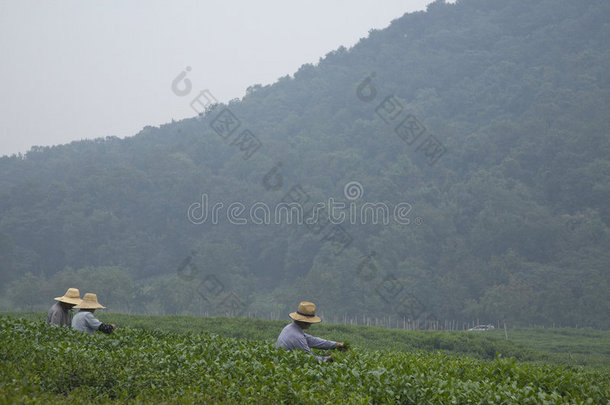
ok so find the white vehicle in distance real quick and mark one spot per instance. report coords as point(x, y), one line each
point(482, 327)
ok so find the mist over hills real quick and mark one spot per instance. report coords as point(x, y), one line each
point(484, 122)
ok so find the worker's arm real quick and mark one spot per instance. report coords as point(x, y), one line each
point(303, 344)
point(319, 343)
point(96, 324)
point(54, 318)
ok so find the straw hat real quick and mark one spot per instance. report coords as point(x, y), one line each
point(90, 302)
point(72, 296)
point(306, 313)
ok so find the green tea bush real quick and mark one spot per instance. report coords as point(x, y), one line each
point(45, 364)
point(578, 347)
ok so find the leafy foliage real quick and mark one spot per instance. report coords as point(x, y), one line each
point(53, 365)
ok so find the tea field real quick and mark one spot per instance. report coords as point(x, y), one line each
point(43, 364)
point(562, 346)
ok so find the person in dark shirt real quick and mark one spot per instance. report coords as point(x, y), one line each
point(60, 313)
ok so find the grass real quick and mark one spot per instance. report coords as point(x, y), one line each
point(584, 346)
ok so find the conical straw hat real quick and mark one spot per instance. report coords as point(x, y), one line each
point(72, 296)
point(89, 302)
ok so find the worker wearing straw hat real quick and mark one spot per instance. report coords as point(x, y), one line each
point(60, 313)
point(293, 335)
point(84, 320)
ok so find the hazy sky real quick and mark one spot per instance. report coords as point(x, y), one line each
point(78, 69)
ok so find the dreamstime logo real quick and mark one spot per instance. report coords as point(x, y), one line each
point(225, 123)
point(185, 88)
point(353, 190)
point(336, 212)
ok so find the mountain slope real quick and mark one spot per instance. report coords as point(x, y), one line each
point(485, 121)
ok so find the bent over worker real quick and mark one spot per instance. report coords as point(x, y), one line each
point(84, 320)
point(293, 335)
point(59, 314)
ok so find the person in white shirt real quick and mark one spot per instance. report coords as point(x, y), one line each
point(293, 335)
point(84, 320)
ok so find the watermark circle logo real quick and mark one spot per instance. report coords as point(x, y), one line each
point(353, 190)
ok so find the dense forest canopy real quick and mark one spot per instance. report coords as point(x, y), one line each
point(482, 126)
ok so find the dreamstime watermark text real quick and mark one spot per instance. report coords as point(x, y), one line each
point(291, 212)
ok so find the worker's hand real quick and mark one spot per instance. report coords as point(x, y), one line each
point(113, 326)
point(342, 346)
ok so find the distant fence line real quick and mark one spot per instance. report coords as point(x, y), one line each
point(391, 322)
point(394, 322)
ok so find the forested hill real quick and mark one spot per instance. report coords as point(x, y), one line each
point(482, 126)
